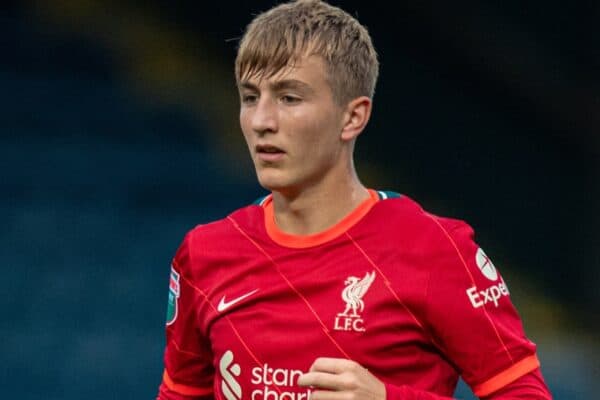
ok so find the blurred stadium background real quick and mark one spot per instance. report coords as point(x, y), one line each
point(120, 133)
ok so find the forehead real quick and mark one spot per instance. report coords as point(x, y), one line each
point(307, 70)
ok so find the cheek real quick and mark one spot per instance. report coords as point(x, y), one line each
point(314, 126)
point(245, 126)
point(243, 121)
point(322, 133)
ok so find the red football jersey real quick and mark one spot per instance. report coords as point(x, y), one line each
point(407, 294)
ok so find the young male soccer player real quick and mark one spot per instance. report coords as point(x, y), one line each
point(326, 289)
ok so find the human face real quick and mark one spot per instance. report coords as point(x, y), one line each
point(293, 126)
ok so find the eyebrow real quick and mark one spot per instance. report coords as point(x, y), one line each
point(280, 85)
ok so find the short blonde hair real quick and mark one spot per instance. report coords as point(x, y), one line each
point(282, 35)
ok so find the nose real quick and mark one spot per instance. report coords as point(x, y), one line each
point(264, 117)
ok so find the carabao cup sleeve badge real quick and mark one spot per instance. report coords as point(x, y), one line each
point(173, 296)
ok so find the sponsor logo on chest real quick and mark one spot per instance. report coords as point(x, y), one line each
point(350, 319)
point(266, 382)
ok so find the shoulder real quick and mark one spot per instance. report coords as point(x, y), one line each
point(210, 250)
point(223, 229)
point(402, 213)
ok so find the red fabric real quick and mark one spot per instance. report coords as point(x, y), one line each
point(529, 386)
point(188, 359)
point(409, 296)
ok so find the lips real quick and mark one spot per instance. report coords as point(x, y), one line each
point(269, 153)
point(267, 148)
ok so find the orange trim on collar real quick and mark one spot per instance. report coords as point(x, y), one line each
point(507, 376)
point(184, 389)
point(304, 241)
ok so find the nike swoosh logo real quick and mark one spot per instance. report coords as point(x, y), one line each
point(224, 305)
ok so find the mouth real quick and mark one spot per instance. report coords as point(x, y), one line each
point(269, 153)
point(267, 148)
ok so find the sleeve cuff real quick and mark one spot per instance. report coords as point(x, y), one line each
point(507, 376)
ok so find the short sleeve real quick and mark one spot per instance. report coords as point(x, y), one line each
point(188, 372)
point(470, 314)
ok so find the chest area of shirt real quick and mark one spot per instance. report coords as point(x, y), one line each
point(337, 303)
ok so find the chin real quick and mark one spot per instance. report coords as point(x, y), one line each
point(274, 181)
point(272, 186)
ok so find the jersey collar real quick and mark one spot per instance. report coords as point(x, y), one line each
point(304, 241)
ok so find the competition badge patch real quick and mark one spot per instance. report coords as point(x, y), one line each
point(173, 296)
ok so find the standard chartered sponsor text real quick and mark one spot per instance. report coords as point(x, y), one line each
point(277, 384)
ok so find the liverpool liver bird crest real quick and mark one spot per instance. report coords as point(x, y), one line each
point(354, 292)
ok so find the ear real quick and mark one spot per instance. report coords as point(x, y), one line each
point(356, 116)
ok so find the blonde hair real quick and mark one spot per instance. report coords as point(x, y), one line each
point(279, 37)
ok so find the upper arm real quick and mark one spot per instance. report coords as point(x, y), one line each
point(188, 372)
point(470, 315)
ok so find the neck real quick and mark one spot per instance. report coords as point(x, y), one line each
point(319, 207)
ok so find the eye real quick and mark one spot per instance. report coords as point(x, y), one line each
point(249, 98)
point(288, 99)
